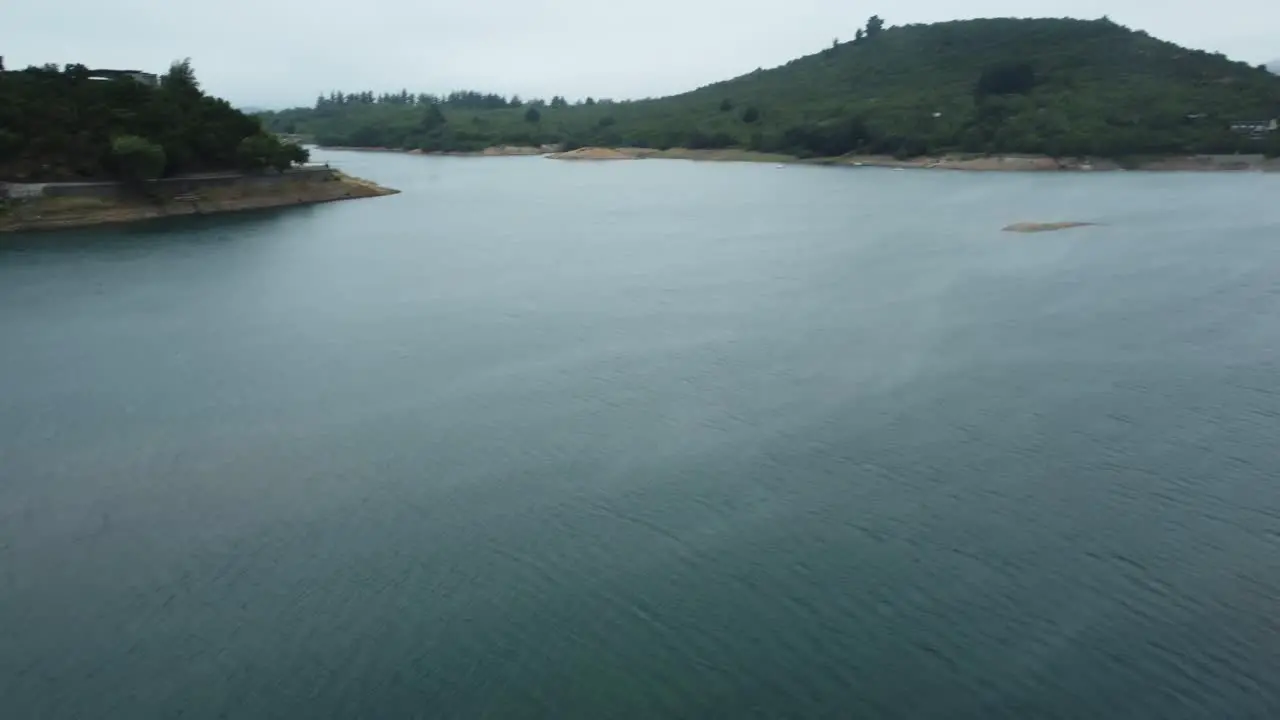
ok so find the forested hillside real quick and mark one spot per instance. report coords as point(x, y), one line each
point(1053, 86)
point(62, 124)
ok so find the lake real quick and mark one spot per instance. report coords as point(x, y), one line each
point(650, 439)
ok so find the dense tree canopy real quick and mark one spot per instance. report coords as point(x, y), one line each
point(1051, 86)
point(63, 124)
point(136, 159)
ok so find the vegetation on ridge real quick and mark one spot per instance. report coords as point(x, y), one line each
point(63, 124)
point(1040, 86)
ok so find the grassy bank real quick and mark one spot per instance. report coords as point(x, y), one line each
point(52, 213)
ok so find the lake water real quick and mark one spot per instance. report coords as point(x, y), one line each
point(650, 440)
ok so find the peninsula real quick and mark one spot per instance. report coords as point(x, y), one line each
point(1069, 94)
point(84, 147)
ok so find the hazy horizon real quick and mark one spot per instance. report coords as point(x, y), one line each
point(293, 51)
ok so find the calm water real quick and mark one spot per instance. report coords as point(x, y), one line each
point(650, 440)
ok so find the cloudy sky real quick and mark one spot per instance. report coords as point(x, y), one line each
point(276, 53)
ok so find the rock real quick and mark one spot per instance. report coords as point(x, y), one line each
point(1031, 227)
point(511, 150)
point(594, 153)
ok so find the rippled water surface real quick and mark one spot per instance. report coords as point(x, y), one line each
point(650, 440)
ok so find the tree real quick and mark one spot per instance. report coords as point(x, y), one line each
point(286, 155)
point(559, 102)
point(76, 72)
point(1006, 79)
point(874, 26)
point(10, 144)
point(136, 158)
point(726, 105)
point(532, 115)
point(827, 139)
point(750, 115)
point(257, 152)
point(181, 78)
point(432, 118)
point(858, 36)
point(1271, 145)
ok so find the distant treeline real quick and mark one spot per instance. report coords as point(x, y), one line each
point(462, 99)
point(1050, 86)
point(459, 99)
point(67, 124)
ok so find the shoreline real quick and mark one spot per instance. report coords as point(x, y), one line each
point(953, 161)
point(64, 213)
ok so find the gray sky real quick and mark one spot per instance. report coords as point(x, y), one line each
point(276, 53)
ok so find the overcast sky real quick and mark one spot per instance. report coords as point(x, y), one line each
point(277, 53)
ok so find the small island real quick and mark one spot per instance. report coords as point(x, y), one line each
point(994, 94)
point(85, 147)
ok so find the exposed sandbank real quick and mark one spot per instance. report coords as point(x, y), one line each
point(1034, 227)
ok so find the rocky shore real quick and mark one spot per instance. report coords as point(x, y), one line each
point(53, 213)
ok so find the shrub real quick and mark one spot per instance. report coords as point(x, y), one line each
point(137, 158)
point(256, 152)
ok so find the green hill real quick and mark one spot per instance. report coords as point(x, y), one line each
point(76, 124)
point(1050, 86)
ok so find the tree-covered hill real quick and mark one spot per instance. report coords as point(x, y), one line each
point(65, 124)
point(1052, 86)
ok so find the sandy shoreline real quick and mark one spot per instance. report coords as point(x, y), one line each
point(56, 213)
point(496, 151)
point(969, 162)
point(975, 163)
point(1033, 163)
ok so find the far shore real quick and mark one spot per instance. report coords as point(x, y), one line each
point(57, 213)
point(956, 161)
